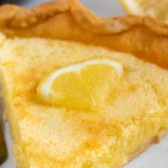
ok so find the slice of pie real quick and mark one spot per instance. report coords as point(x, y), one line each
point(82, 127)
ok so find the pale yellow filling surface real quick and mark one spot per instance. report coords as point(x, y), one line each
point(51, 137)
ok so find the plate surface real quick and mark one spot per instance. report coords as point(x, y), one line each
point(154, 157)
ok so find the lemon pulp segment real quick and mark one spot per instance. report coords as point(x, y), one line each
point(154, 8)
point(82, 86)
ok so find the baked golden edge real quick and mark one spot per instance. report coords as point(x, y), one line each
point(143, 37)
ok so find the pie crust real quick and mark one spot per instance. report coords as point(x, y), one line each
point(143, 37)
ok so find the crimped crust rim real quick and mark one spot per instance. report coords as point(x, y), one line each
point(14, 16)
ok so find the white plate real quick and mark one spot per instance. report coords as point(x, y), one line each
point(157, 155)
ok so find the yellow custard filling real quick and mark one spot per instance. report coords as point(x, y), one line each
point(52, 136)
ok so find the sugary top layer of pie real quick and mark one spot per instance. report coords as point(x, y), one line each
point(50, 134)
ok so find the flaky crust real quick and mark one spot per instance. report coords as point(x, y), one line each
point(70, 20)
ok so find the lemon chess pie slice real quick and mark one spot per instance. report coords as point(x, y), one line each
point(80, 91)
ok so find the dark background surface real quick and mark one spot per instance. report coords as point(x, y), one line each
point(10, 1)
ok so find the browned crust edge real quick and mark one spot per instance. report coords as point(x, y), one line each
point(15, 16)
point(70, 20)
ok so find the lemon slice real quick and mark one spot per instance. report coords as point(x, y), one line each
point(81, 86)
point(154, 8)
